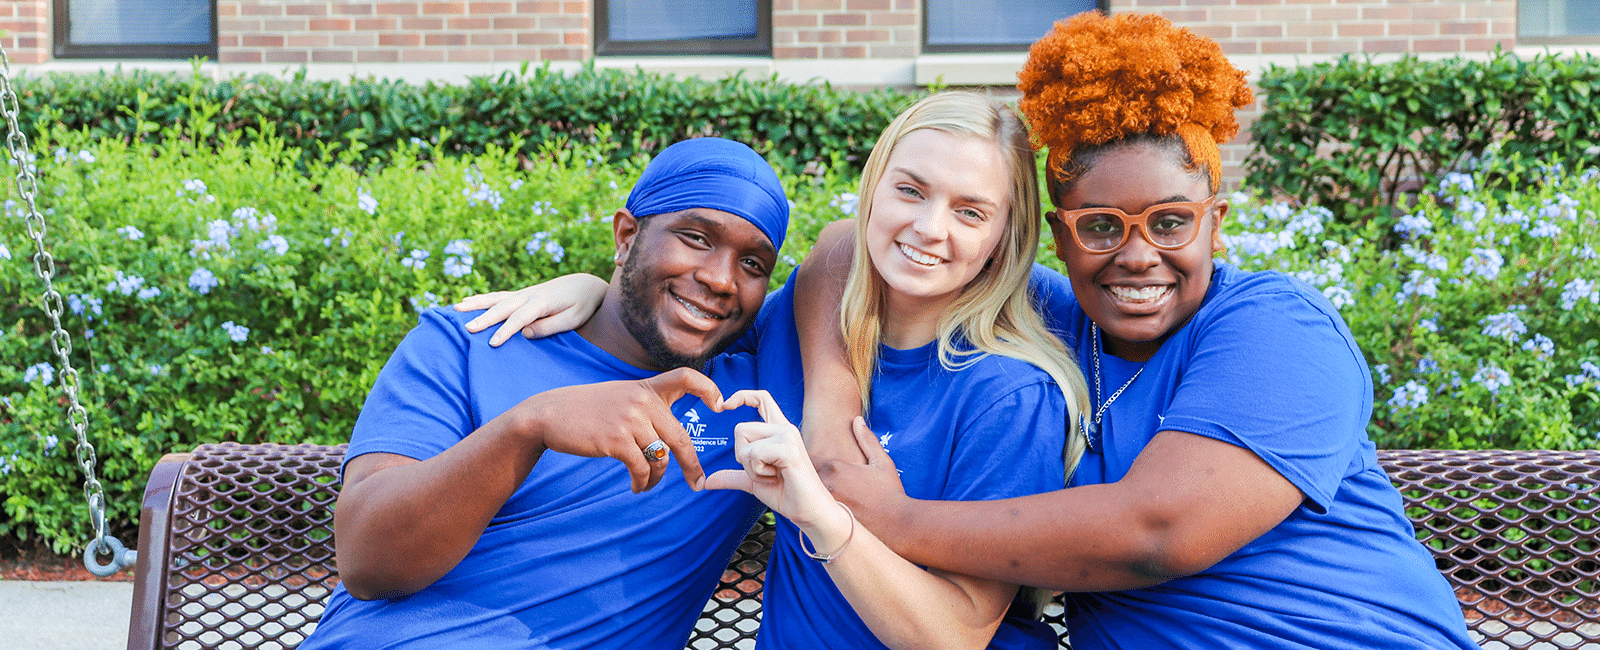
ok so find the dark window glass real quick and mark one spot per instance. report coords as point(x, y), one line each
point(1575, 20)
point(135, 28)
point(994, 25)
point(683, 26)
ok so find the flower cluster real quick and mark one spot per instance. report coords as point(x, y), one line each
point(236, 333)
point(546, 242)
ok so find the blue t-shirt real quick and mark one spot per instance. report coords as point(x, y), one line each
point(1266, 364)
point(992, 430)
point(574, 560)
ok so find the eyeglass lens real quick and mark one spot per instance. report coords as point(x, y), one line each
point(1170, 227)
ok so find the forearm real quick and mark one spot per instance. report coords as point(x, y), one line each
point(404, 526)
point(832, 397)
point(908, 607)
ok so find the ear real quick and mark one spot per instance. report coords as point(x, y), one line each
point(1058, 233)
point(1219, 211)
point(624, 231)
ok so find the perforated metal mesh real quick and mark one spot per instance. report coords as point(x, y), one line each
point(1516, 532)
point(1518, 535)
point(251, 544)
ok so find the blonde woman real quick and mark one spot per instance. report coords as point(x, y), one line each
point(968, 391)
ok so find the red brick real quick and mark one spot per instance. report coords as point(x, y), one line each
point(333, 56)
point(794, 53)
point(821, 5)
point(261, 10)
point(1213, 31)
point(1505, 28)
point(227, 40)
point(564, 54)
point(575, 7)
point(330, 24)
point(281, 25)
point(493, 38)
point(377, 56)
point(447, 8)
point(306, 10)
point(1182, 16)
point(376, 24)
point(1286, 15)
point(1497, 10)
point(1259, 2)
point(538, 38)
point(1350, 30)
point(844, 20)
point(355, 39)
point(481, 8)
point(284, 56)
point(306, 40)
point(1258, 31)
point(905, 5)
point(1308, 30)
point(473, 23)
point(1437, 12)
point(907, 35)
point(1284, 47)
point(891, 18)
point(237, 56)
point(396, 9)
point(564, 22)
point(867, 36)
point(1487, 44)
point(783, 37)
point(1232, 15)
point(539, 7)
point(867, 5)
point(1478, 28)
point(421, 55)
point(230, 26)
point(444, 40)
point(1339, 46)
point(1239, 48)
point(475, 55)
point(1425, 28)
point(400, 39)
point(515, 22)
point(353, 9)
point(1436, 45)
point(780, 6)
point(516, 54)
point(260, 40)
point(781, 21)
point(422, 24)
point(227, 9)
point(1335, 14)
point(1376, 46)
point(575, 38)
point(1386, 12)
point(844, 52)
point(819, 36)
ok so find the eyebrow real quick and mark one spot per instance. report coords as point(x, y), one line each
point(696, 219)
point(1176, 198)
point(964, 199)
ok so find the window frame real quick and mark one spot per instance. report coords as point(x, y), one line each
point(1104, 6)
point(63, 49)
point(1567, 39)
point(761, 45)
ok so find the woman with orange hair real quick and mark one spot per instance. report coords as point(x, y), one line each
point(1230, 496)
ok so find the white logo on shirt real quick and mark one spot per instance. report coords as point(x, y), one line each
point(697, 432)
point(693, 417)
point(883, 440)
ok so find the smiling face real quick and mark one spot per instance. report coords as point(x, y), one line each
point(936, 215)
point(1139, 294)
point(690, 284)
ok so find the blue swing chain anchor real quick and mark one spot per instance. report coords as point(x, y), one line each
point(44, 265)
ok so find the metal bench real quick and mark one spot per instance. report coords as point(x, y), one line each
point(236, 547)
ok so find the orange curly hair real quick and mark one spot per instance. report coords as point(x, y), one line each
point(1094, 80)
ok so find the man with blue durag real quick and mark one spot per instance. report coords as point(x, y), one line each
point(523, 496)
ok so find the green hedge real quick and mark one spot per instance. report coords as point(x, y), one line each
point(1356, 136)
point(792, 123)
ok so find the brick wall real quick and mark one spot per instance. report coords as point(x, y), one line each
point(401, 31)
point(845, 29)
point(27, 26)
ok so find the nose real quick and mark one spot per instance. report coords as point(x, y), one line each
point(932, 223)
point(718, 272)
point(1137, 253)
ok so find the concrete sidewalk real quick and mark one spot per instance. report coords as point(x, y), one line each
point(64, 615)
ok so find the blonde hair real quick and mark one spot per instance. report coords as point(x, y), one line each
point(993, 313)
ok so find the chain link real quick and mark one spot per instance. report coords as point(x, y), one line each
point(45, 266)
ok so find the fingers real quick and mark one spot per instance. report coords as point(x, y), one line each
point(762, 401)
point(669, 431)
point(480, 301)
point(868, 442)
point(729, 479)
point(674, 384)
point(644, 473)
point(529, 315)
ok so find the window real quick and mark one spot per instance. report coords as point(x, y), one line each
point(1558, 21)
point(993, 25)
point(683, 27)
point(139, 29)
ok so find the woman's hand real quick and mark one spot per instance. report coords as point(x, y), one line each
point(777, 468)
point(873, 491)
point(550, 307)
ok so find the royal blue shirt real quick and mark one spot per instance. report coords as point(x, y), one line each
point(573, 560)
point(992, 430)
point(1266, 364)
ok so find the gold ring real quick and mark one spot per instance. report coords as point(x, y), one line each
point(655, 451)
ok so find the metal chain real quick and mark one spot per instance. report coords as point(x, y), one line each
point(44, 264)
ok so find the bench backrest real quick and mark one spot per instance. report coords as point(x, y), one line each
point(236, 547)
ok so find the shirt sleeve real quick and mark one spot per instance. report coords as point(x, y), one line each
point(1012, 448)
point(420, 404)
point(1275, 374)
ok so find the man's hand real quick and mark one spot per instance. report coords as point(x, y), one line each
point(619, 419)
point(873, 491)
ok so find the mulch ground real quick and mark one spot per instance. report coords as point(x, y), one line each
point(33, 564)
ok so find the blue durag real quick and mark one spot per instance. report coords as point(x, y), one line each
point(716, 174)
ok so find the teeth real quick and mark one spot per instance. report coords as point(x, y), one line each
point(918, 256)
point(1140, 294)
point(696, 310)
